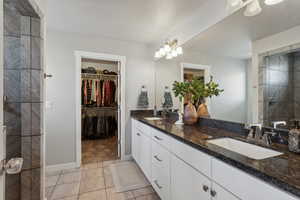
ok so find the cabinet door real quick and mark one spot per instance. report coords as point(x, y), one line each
point(145, 155)
point(219, 193)
point(135, 146)
point(187, 183)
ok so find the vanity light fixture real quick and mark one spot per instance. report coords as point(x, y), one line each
point(252, 6)
point(169, 50)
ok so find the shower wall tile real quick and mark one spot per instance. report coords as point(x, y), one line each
point(36, 78)
point(25, 25)
point(26, 184)
point(13, 146)
point(36, 152)
point(12, 118)
point(36, 52)
point(12, 52)
point(36, 118)
point(25, 51)
point(25, 85)
point(36, 184)
point(26, 119)
point(26, 152)
point(35, 27)
point(12, 90)
point(12, 20)
point(12, 186)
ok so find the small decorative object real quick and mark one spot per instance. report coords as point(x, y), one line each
point(143, 101)
point(294, 138)
point(195, 92)
point(167, 101)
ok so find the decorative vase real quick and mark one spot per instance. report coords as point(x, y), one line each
point(190, 114)
point(203, 111)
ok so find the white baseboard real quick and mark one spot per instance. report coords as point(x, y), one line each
point(61, 166)
point(127, 157)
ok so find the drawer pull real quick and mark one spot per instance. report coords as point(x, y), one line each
point(138, 134)
point(156, 183)
point(157, 158)
point(213, 193)
point(205, 188)
point(158, 138)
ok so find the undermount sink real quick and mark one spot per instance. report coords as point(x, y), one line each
point(153, 118)
point(246, 149)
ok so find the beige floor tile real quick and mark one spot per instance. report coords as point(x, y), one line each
point(69, 178)
point(65, 190)
point(143, 191)
point(96, 195)
point(91, 184)
point(70, 198)
point(49, 191)
point(113, 195)
point(53, 173)
point(90, 165)
point(90, 173)
point(65, 171)
point(148, 197)
point(109, 162)
point(107, 171)
point(51, 180)
point(108, 181)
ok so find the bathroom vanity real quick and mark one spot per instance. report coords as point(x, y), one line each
point(181, 164)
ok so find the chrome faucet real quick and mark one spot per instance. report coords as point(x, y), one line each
point(258, 130)
point(277, 123)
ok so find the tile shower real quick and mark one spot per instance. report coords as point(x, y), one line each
point(23, 98)
point(280, 87)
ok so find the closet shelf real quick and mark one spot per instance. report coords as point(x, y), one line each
point(97, 76)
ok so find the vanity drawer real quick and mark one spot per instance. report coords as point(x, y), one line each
point(161, 181)
point(160, 156)
point(143, 128)
point(161, 138)
point(197, 159)
point(245, 186)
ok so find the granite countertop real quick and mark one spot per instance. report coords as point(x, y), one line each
point(281, 171)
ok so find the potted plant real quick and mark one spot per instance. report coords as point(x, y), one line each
point(195, 91)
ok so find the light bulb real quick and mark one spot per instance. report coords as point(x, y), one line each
point(157, 54)
point(174, 53)
point(167, 48)
point(272, 2)
point(169, 56)
point(252, 9)
point(162, 51)
point(179, 50)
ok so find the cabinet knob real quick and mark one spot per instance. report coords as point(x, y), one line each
point(157, 158)
point(205, 188)
point(138, 134)
point(213, 193)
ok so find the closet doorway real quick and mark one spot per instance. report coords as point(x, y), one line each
point(100, 107)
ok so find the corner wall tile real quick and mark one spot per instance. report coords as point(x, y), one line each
point(26, 119)
point(36, 184)
point(35, 27)
point(36, 78)
point(36, 118)
point(36, 152)
point(35, 52)
point(25, 25)
point(25, 85)
point(25, 51)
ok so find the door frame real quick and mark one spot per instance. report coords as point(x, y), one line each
point(98, 56)
point(207, 75)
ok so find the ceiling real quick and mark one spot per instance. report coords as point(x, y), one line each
point(233, 36)
point(131, 20)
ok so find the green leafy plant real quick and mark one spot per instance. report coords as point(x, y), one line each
point(196, 90)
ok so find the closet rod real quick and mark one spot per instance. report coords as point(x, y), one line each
point(86, 75)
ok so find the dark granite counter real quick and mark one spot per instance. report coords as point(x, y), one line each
point(281, 171)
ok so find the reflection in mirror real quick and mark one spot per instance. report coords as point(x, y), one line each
point(233, 52)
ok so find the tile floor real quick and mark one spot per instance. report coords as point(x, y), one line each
point(93, 181)
point(99, 150)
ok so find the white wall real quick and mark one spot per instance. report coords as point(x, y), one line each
point(273, 42)
point(60, 119)
point(228, 72)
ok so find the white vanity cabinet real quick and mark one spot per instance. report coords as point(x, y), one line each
point(179, 172)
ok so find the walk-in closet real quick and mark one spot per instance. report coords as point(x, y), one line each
point(100, 93)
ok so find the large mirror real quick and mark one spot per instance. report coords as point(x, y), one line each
point(256, 60)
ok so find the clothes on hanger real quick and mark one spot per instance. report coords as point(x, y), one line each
point(98, 92)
